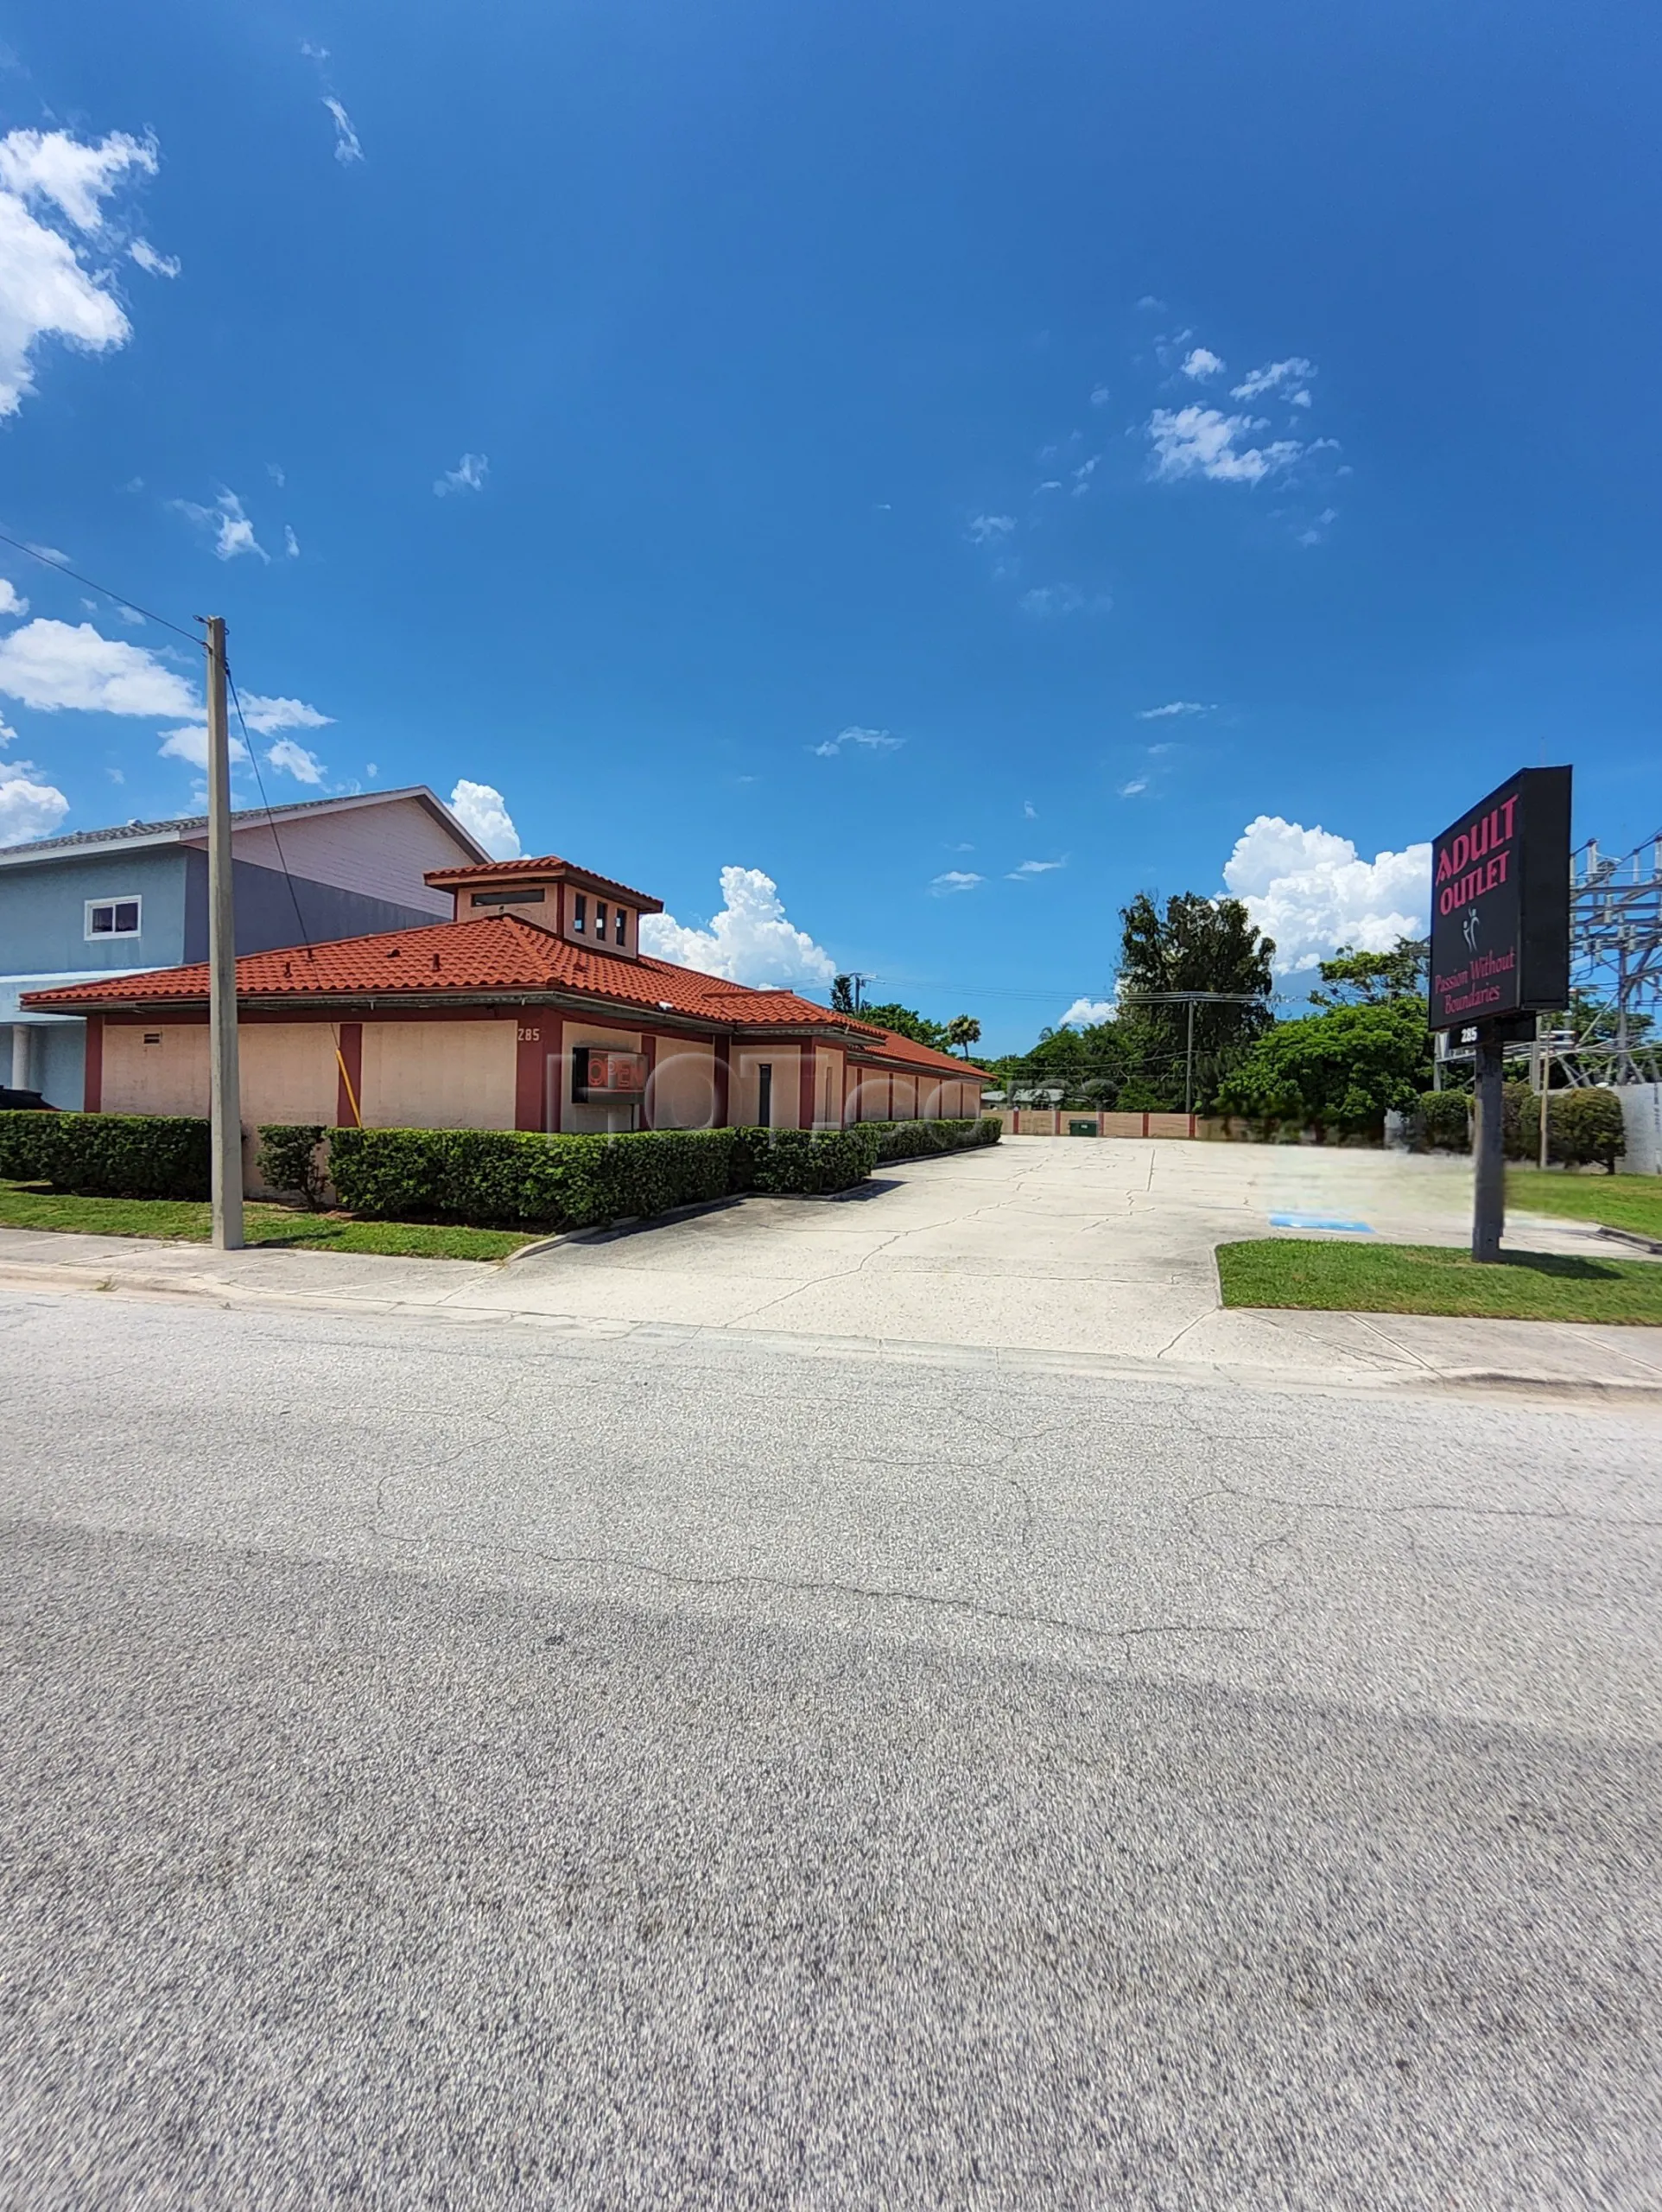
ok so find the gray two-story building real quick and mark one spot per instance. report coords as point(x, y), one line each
point(113, 902)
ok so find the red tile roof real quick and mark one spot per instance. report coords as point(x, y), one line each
point(498, 953)
point(895, 1047)
point(447, 879)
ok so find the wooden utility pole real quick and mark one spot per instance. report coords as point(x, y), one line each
point(225, 1086)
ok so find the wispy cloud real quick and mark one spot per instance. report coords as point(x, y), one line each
point(955, 879)
point(468, 475)
point(990, 530)
point(1028, 811)
point(1172, 708)
point(290, 543)
point(1275, 376)
point(58, 560)
point(1134, 788)
point(1084, 472)
point(265, 715)
point(1202, 442)
point(1100, 395)
point(1047, 601)
point(1031, 868)
point(233, 533)
point(152, 263)
point(872, 740)
point(347, 147)
point(1202, 362)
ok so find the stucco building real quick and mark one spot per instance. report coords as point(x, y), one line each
point(97, 903)
point(532, 1006)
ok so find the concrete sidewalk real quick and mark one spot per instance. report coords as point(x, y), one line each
point(1084, 1255)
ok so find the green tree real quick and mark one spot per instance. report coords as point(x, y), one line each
point(906, 1022)
point(1343, 1068)
point(963, 1031)
point(842, 994)
point(1196, 945)
point(1374, 978)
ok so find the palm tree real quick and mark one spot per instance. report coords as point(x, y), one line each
point(963, 1030)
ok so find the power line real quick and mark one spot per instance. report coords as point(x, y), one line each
point(62, 569)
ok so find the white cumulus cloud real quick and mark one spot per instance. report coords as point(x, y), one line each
point(266, 716)
point(1202, 362)
point(956, 879)
point(1203, 441)
point(1085, 1014)
point(479, 809)
point(750, 941)
point(47, 288)
point(11, 601)
point(1311, 890)
point(75, 176)
point(27, 809)
point(49, 665)
point(190, 744)
point(468, 475)
point(295, 761)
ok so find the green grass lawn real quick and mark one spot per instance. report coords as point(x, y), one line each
point(29, 1207)
point(1429, 1278)
point(1619, 1201)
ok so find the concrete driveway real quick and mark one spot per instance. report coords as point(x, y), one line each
point(1050, 1244)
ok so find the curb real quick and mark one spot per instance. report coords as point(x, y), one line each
point(1483, 1383)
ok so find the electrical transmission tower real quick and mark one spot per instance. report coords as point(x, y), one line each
point(1616, 950)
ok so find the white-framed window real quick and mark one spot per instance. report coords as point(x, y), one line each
point(112, 917)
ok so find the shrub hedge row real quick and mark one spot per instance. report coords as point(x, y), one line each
point(1583, 1128)
point(108, 1155)
point(920, 1140)
point(485, 1177)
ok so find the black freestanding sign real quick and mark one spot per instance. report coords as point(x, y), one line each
point(1500, 905)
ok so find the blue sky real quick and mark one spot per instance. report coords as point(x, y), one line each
point(653, 396)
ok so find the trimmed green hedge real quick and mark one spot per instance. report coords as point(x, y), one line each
point(803, 1163)
point(922, 1140)
point(108, 1155)
point(486, 1178)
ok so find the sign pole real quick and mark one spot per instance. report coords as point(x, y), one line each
point(1489, 1155)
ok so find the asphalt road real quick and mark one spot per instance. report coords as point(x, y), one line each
point(458, 1766)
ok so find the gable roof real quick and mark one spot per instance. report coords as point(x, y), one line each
point(498, 956)
point(181, 828)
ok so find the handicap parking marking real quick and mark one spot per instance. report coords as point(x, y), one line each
point(1320, 1221)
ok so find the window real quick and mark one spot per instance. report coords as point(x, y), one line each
point(508, 898)
point(620, 922)
point(112, 917)
point(764, 1098)
point(579, 913)
point(599, 921)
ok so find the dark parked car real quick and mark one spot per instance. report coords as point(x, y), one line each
point(24, 1102)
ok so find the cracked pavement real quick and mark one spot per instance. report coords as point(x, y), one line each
point(501, 1767)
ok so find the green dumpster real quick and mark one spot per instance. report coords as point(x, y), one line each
point(1082, 1128)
